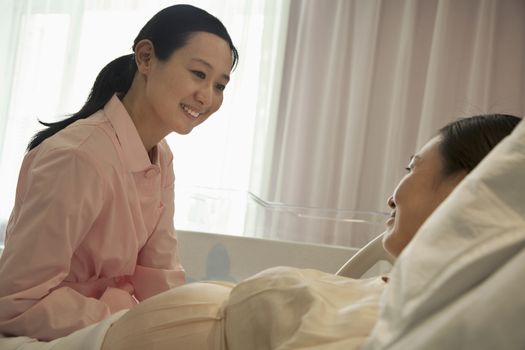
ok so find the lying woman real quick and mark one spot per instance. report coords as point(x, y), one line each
point(459, 283)
point(287, 308)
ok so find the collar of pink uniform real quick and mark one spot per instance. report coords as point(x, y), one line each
point(135, 154)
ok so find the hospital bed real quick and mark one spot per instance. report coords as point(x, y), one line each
point(457, 285)
point(366, 258)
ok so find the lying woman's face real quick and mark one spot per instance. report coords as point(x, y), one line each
point(417, 195)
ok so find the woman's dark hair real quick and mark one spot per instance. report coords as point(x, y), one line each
point(168, 30)
point(465, 142)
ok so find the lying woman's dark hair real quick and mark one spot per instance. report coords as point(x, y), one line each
point(168, 30)
point(465, 142)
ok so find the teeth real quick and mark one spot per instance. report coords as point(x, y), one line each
point(190, 111)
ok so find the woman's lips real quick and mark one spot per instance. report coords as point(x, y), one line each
point(390, 221)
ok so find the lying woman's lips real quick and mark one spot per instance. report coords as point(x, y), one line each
point(390, 221)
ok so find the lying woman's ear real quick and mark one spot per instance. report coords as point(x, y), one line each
point(450, 182)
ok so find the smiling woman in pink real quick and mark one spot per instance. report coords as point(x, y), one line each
point(91, 232)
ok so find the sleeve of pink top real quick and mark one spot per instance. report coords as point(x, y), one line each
point(58, 199)
point(158, 267)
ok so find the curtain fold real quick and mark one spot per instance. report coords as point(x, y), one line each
point(368, 82)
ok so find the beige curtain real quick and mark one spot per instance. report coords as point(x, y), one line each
point(367, 82)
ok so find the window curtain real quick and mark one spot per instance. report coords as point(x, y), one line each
point(52, 50)
point(367, 82)
point(326, 128)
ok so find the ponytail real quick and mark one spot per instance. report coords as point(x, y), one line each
point(115, 77)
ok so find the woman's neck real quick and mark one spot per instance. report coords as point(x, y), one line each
point(137, 108)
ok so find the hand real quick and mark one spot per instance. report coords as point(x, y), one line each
point(121, 296)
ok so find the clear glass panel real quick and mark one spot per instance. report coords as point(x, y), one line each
point(244, 214)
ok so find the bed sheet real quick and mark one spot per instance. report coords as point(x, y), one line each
point(89, 338)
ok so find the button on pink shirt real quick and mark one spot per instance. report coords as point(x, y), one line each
point(91, 231)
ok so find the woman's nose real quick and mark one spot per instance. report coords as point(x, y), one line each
point(391, 202)
point(203, 96)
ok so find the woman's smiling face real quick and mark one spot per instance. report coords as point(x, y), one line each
point(185, 90)
point(417, 195)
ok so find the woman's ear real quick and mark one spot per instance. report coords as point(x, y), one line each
point(451, 182)
point(144, 55)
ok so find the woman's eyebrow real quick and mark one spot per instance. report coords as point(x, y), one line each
point(206, 63)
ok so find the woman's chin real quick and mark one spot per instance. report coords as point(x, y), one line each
point(388, 236)
point(184, 131)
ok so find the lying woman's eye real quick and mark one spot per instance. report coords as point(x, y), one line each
point(220, 87)
point(199, 74)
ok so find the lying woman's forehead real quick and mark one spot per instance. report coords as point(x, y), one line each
point(431, 147)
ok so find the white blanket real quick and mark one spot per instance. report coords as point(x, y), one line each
point(89, 338)
point(285, 308)
point(459, 283)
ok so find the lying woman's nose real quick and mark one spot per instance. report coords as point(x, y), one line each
point(391, 203)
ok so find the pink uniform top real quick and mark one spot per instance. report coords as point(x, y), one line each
point(91, 231)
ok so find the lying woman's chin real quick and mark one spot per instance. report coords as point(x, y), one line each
point(390, 243)
point(386, 234)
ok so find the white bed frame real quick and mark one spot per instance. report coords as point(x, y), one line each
point(365, 259)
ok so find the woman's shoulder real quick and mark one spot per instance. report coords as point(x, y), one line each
point(92, 129)
point(85, 139)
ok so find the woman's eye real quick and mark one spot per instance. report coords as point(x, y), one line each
point(199, 74)
point(221, 87)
